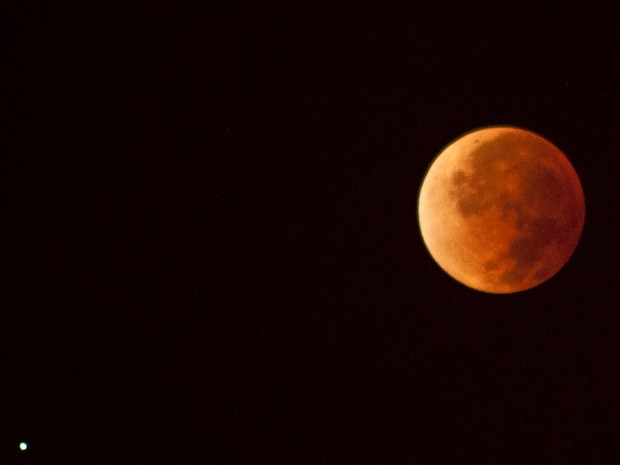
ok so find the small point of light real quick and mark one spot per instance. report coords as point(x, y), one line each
point(23, 446)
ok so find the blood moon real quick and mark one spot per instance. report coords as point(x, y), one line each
point(501, 209)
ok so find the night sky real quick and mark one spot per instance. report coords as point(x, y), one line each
point(213, 248)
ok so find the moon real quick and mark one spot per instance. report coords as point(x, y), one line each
point(501, 209)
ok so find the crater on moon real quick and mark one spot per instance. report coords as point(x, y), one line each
point(501, 209)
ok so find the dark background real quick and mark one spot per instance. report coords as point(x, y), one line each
point(213, 248)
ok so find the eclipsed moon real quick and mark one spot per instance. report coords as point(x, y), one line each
point(501, 209)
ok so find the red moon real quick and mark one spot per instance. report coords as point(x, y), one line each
point(501, 209)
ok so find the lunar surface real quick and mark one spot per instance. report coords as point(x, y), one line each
point(501, 210)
